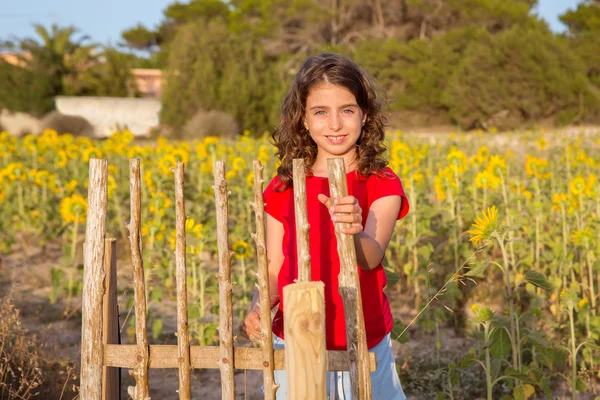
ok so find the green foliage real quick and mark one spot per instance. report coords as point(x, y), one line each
point(139, 37)
point(58, 63)
point(584, 19)
point(516, 77)
point(211, 68)
point(24, 90)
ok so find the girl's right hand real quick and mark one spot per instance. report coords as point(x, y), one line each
point(251, 326)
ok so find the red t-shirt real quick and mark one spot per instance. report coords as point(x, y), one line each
point(325, 263)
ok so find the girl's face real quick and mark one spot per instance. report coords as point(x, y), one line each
point(334, 121)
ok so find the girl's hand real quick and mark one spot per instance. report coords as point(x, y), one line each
point(345, 209)
point(251, 326)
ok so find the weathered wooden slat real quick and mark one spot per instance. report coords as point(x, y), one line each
point(207, 357)
point(140, 370)
point(93, 277)
point(305, 345)
point(269, 385)
point(181, 283)
point(302, 226)
point(226, 355)
point(111, 388)
point(349, 288)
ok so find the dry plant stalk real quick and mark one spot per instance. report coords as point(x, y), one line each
point(226, 361)
point(93, 278)
point(140, 371)
point(305, 345)
point(181, 279)
point(270, 387)
point(302, 226)
point(349, 288)
point(110, 309)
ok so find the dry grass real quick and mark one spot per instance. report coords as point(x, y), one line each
point(24, 372)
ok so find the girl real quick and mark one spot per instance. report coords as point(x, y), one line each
point(332, 110)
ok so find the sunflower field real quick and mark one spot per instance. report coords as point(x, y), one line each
point(501, 244)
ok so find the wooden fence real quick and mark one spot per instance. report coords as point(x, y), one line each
point(305, 357)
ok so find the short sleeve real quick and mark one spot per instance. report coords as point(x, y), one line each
point(388, 184)
point(272, 199)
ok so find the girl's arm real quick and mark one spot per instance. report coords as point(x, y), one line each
point(274, 233)
point(372, 241)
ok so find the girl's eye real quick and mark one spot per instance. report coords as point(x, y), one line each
point(320, 112)
point(348, 111)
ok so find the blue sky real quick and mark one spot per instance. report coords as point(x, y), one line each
point(104, 20)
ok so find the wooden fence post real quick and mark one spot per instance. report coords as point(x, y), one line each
point(305, 346)
point(111, 389)
point(226, 361)
point(141, 390)
point(181, 279)
point(93, 277)
point(258, 205)
point(302, 227)
point(349, 287)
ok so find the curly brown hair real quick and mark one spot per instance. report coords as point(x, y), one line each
point(293, 140)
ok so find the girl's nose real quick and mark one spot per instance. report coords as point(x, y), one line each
point(335, 122)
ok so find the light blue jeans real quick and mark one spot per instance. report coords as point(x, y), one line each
point(384, 382)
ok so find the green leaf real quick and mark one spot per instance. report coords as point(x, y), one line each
point(397, 334)
point(591, 344)
point(500, 344)
point(157, 326)
point(156, 294)
point(478, 270)
point(537, 339)
point(537, 279)
point(596, 265)
point(548, 256)
point(425, 251)
point(545, 385)
point(392, 276)
point(193, 311)
point(513, 373)
point(468, 360)
point(580, 385)
point(523, 392)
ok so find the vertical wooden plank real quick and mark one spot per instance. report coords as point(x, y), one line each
point(111, 388)
point(140, 371)
point(302, 226)
point(349, 288)
point(93, 277)
point(258, 205)
point(305, 346)
point(225, 288)
point(181, 279)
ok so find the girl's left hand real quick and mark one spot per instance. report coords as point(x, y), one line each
point(344, 209)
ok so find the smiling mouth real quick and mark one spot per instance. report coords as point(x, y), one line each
point(336, 139)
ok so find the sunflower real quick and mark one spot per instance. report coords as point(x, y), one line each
point(158, 203)
point(484, 226)
point(558, 199)
point(192, 227)
point(577, 185)
point(583, 238)
point(73, 208)
point(241, 249)
point(167, 162)
point(239, 164)
point(488, 179)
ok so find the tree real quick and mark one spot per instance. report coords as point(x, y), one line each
point(583, 35)
point(212, 68)
point(516, 77)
